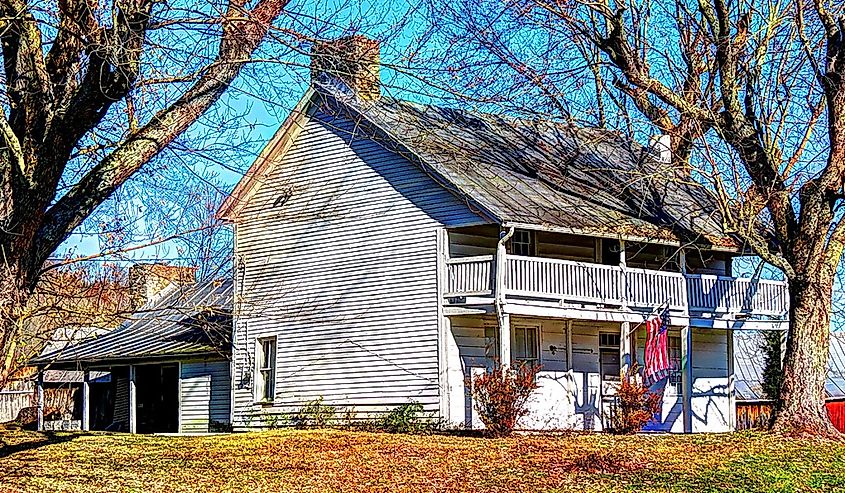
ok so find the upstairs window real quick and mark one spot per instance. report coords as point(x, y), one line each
point(265, 381)
point(522, 243)
point(526, 345)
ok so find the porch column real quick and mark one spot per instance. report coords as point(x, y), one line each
point(39, 390)
point(622, 260)
point(626, 357)
point(133, 403)
point(505, 340)
point(731, 383)
point(86, 399)
point(686, 376)
point(503, 317)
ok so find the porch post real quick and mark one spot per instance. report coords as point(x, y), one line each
point(133, 403)
point(626, 357)
point(505, 340)
point(39, 389)
point(86, 399)
point(686, 377)
point(731, 383)
point(504, 318)
point(622, 260)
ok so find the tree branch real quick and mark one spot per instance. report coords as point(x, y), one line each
point(242, 34)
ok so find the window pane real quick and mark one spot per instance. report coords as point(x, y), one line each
point(530, 343)
point(525, 347)
point(268, 386)
point(265, 354)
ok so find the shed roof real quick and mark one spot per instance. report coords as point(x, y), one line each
point(187, 321)
point(546, 173)
point(749, 364)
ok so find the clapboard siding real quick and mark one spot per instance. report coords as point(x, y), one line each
point(205, 395)
point(343, 271)
point(121, 400)
point(710, 392)
point(710, 386)
point(567, 398)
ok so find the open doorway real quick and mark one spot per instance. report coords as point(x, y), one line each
point(157, 390)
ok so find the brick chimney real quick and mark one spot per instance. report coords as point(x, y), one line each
point(148, 282)
point(352, 59)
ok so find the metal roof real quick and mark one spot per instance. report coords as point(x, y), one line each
point(748, 366)
point(546, 173)
point(189, 320)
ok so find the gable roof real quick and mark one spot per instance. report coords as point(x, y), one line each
point(749, 364)
point(525, 172)
point(189, 321)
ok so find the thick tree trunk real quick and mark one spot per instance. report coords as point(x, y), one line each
point(801, 408)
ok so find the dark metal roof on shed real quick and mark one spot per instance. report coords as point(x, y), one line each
point(188, 321)
point(749, 364)
point(545, 173)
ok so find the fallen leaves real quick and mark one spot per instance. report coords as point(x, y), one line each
point(333, 460)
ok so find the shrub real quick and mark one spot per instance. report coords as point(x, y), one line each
point(634, 407)
point(501, 396)
point(315, 414)
point(407, 418)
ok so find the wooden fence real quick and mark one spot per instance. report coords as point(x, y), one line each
point(757, 414)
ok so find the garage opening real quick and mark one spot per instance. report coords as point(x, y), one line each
point(157, 388)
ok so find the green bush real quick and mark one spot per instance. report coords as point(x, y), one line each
point(315, 414)
point(407, 418)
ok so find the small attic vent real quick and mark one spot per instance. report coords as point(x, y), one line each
point(282, 199)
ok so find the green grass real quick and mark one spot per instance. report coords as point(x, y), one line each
point(330, 460)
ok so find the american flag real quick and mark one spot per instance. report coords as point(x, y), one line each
point(657, 365)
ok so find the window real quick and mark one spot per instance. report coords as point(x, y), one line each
point(265, 382)
point(526, 345)
point(675, 384)
point(522, 243)
point(609, 355)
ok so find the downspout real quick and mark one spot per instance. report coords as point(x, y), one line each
point(499, 301)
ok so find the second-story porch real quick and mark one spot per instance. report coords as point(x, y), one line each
point(703, 290)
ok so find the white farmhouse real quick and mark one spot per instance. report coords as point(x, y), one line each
point(386, 251)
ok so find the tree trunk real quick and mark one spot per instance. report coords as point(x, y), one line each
point(14, 295)
point(801, 408)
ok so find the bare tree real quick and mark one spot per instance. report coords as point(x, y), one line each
point(70, 71)
point(752, 96)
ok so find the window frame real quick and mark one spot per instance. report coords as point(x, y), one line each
point(604, 348)
point(530, 243)
point(538, 345)
point(265, 373)
point(675, 381)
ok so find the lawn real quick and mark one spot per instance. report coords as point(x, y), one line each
point(330, 460)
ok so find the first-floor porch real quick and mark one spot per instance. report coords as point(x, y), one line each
point(581, 362)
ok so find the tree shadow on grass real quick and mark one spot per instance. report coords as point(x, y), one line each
point(44, 439)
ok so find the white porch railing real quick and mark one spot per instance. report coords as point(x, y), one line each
point(729, 294)
point(470, 276)
point(605, 284)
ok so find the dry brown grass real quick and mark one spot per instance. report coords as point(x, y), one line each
point(331, 460)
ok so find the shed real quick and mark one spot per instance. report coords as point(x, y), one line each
point(164, 370)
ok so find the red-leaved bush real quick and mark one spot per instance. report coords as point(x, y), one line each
point(501, 396)
point(635, 406)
